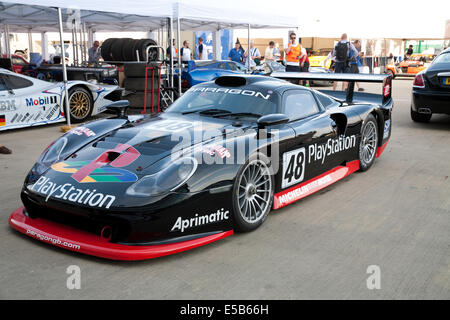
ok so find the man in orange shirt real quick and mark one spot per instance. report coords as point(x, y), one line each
point(293, 52)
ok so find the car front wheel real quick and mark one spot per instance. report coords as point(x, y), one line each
point(252, 193)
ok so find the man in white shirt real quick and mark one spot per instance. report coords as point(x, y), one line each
point(186, 53)
point(269, 54)
point(202, 50)
point(254, 54)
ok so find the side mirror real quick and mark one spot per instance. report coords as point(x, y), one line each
point(272, 119)
point(119, 107)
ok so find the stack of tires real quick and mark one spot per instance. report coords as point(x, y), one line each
point(127, 49)
point(135, 83)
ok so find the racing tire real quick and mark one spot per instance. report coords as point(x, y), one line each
point(117, 47)
point(369, 142)
point(420, 117)
point(81, 104)
point(128, 53)
point(141, 46)
point(106, 49)
point(253, 192)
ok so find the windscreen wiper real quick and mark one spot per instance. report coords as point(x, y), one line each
point(238, 114)
point(208, 111)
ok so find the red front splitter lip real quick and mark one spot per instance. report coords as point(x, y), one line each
point(80, 241)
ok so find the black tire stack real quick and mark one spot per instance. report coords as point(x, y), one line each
point(124, 49)
point(135, 82)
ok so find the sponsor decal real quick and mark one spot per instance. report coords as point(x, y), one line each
point(31, 102)
point(83, 130)
point(387, 127)
point(294, 167)
point(14, 118)
point(307, 188)
point(294, 161)
point(320, 152)
point(52, 112)
point(68, 192)
point(55, 241)
point(26, 116)
point(103, 174)
point(8, 105)
point(220, 150)
point(2, 120)
point(183, 224)
point(250, 93)
point(169, 125)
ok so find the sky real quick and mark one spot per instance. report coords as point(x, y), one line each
point(369, 19)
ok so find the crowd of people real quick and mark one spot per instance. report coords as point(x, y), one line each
point(186, 53)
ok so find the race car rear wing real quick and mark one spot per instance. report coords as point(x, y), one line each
point(385, 79)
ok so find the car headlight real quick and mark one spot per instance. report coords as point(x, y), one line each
point(53, 152)
point(168, 179)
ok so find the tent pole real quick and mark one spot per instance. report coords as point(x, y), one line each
point(63, 58)
point(7, 42)
point(30, 42)
point(248, 48)
point(171, 50)
point(179, 55)
point(73, 45)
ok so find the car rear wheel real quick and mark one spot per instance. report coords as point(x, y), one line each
point(252, 193)
point(81, 104)
point(420, 117)
point(369, 143)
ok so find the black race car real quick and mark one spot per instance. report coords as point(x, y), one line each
point(217, 160)
point(431, 89)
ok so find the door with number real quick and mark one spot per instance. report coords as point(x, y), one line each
point(303, 159)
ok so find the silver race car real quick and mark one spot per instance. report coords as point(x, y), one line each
point(26, 101)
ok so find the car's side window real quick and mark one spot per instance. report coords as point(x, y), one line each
point(222, 66)
point(232, 66)
point(14, 82)
point(326, 101)
point(299, 104)
point(2, 83)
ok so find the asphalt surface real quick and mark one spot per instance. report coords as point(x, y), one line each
point(395, 216)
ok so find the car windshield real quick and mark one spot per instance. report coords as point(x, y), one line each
point(443, 58)
point(226, 101)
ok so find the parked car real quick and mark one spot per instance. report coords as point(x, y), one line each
point(27, 101)
point(431, 89)
point(218, 160)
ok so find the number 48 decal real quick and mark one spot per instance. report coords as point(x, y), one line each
point(293, 167)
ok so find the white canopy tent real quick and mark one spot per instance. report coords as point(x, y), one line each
point(133, 15)
point(138, 15)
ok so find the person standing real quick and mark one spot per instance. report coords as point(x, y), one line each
point(236, 54)
point(269, 53)
point(355, 62)
point(185, 52)
point(94, 53)
point(202, 51)
point(304, 63)
point(293, 52)
point(254, 54)
point(409, 52)
point(342, 52)
point(174, 52)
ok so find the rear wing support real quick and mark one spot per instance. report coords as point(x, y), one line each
point(351, 78)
